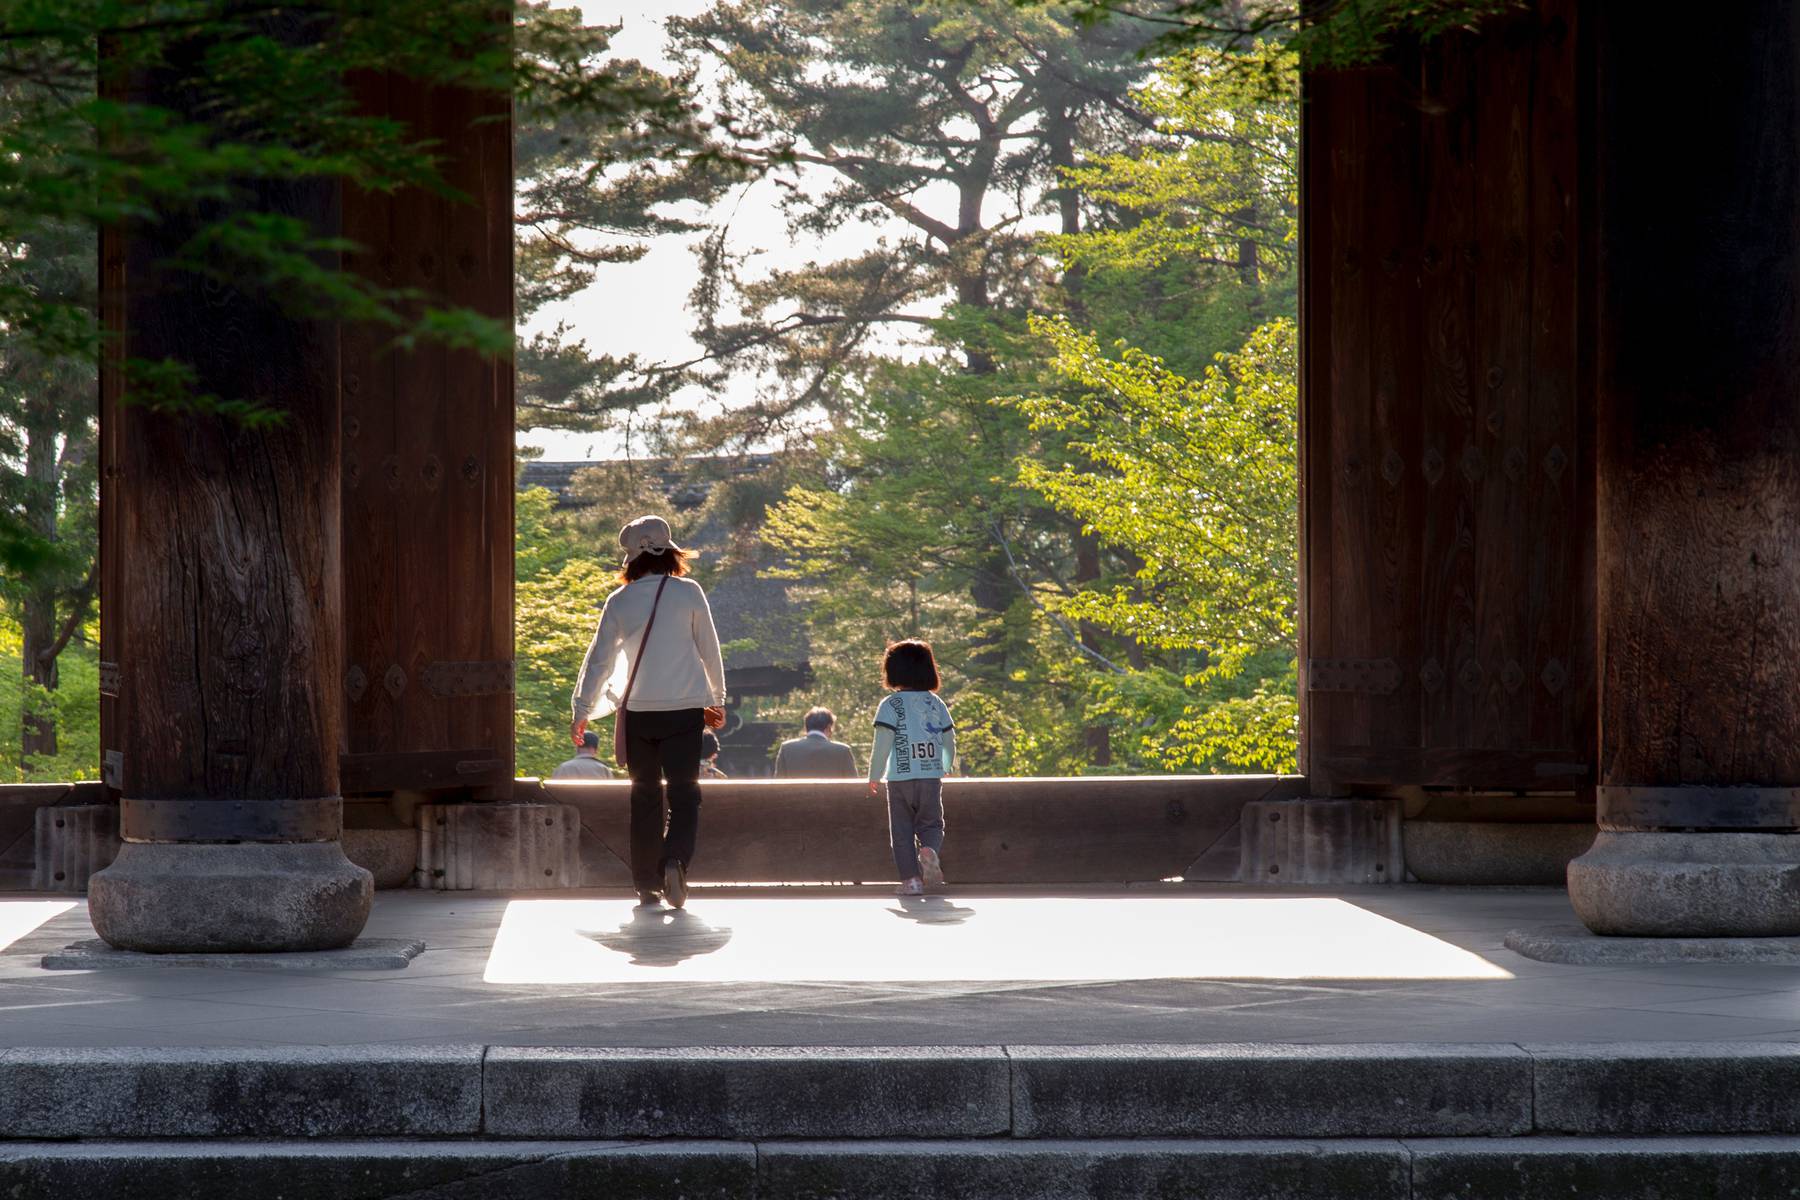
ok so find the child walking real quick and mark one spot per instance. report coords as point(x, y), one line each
point(915, 747)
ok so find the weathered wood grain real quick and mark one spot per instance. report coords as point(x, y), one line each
point(227, 591)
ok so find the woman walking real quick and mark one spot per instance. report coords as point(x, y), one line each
point(655, 662)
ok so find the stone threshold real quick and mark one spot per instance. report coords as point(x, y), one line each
point(1017, 1093)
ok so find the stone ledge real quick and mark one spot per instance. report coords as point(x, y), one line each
point(1726, 1168)
point(1273, 1170)
point(1575, 945)
point(377, 1170)
point(748, 1092)
point(1025, 1094)
point(1668, 1088)
point(1429, 1169)
point(364, 954)
point(314, 1091)
point(1226, 1091)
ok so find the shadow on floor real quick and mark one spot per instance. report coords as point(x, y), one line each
point(662, 937)
point(930, 910)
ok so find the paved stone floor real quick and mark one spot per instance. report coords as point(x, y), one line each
point(850, 966)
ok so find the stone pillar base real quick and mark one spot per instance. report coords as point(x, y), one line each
point(1689, 885)
point(246, 897)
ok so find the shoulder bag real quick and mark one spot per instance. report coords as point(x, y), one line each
point(619, 755)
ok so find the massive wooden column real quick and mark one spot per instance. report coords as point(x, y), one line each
point(223, 603)
point(1698, 447)
point(227, 600)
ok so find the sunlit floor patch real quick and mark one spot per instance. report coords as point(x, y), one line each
point(20, 917)
point(971, 939)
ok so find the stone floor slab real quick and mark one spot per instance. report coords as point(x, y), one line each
point(1159, 955)
point(1574, 944)
point(364, 954)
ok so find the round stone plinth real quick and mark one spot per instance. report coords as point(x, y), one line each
point(1577, 946)
point(1692, 885)
point(245, 898)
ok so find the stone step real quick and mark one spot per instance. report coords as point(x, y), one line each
point(1018, 1092)
point(1743, 1168)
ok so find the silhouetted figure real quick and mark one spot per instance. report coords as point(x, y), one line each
point(815, 755)
point(586, 764)
point(655, 660)
point(709, 756)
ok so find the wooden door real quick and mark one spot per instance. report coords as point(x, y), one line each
point(1447, 502)
point(428, 471)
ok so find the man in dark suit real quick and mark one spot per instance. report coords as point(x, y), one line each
point(816, 756)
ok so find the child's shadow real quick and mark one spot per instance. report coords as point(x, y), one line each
point(931, 910)
point(662, 937)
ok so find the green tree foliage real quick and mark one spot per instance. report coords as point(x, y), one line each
point(1215, 181)
point(48, 484)
point(1197, 478)
point(948, 119)
point(1325, 33)
point(177, 115)
point(560, 582)
point(174, 115)
point(1189, 467)
point(594, 187)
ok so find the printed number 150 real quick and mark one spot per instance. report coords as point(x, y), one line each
point(925, 750)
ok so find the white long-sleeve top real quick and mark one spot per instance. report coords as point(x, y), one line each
point(682, 667)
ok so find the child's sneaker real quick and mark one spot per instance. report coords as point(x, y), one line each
point(931, 867)
point(911, 887)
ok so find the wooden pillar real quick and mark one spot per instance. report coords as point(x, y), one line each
point(224, 604)
point(1697, 234)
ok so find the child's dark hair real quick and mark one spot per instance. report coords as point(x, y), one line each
point(909, 667)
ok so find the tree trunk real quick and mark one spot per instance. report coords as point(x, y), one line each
point(1060, 133)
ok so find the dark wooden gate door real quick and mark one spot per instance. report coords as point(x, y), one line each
point(1448, 547)
point(428, 472)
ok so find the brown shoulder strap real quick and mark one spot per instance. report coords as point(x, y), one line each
point(642, 642)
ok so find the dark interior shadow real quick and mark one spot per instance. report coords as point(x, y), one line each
point(662, 937)
point(930, 910)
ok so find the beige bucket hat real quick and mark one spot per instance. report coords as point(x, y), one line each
point(646, 535)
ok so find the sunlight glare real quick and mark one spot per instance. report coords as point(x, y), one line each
point(20, 917)
point(967, 939)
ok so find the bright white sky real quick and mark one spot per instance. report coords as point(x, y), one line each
point(642, 306)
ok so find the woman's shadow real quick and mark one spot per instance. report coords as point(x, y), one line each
point(662, 937)
point(930, 910)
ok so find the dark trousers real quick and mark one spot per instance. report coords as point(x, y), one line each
point(915, 819)
point(663, 746)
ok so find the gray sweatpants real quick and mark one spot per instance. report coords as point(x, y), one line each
point(915, 818)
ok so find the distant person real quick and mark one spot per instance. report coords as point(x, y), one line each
point(655, 661)
point(814, 755)
point(915, 747)
point(586, 764)
point(709, 756)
